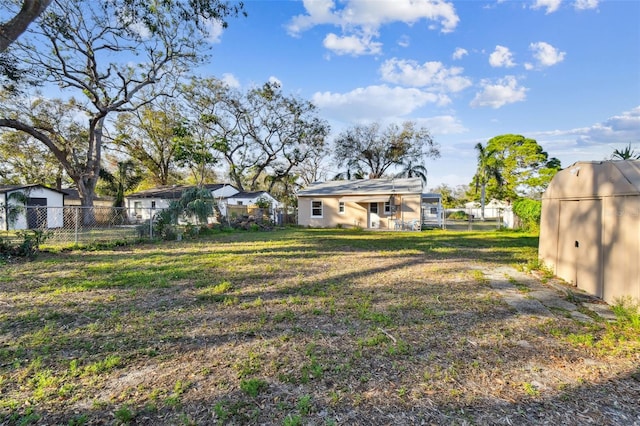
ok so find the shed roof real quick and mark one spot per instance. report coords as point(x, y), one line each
point(588, 179)
point(11, 188)
point(73, 194)
point(363, 187)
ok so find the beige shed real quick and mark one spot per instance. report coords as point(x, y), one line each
point(590, 228)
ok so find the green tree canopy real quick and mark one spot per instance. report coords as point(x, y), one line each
point(524, 166)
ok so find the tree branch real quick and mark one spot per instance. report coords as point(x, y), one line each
point(11, 30)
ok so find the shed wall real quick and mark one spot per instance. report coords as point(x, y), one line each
point(590, 230)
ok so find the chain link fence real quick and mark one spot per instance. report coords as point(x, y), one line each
point(80, 225)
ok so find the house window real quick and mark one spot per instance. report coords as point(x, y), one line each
point(434, 210)
point(341, 207)
point(153, 204)
point(240, 202)
point(373, 208)
point(316, 209)
point(387, 207)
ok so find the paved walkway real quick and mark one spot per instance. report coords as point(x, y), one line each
point(525, 293)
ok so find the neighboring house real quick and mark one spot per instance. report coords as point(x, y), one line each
point(143, 205)
point(247, 199)
point(492, 210)
point(43, 209)
point(72, 198)
point(590, 228)
point(368, 203)
point(103, 210)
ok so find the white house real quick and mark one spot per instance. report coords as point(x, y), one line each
point(143, 205)
point(42, 207)
point(251, 198)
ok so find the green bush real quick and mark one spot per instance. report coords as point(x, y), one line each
point(529, 212)
point(458, 215)
point(28, 247)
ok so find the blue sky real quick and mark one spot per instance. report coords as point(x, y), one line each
point(564, 72)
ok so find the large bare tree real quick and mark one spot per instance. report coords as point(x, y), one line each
point(374, 149)
point(101, 55)
point(263, 132)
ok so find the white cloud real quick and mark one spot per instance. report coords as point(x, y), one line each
point(592, 143)
point(586, 4)
point(495, 95)
point(351, 45)
point(442, 125)
point(367, 14)
point(624, 128)
point(374, 102)
point(140, 29)
point(364, 18)
point(546, 54)
point(404, 41)
point(459, 53)
point(550, 5)
point(275, 80)
point(501, 57)
point(214, 30)
point(230, 80)
point(432, 75)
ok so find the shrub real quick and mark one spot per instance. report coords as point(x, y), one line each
point(28, 247)
point(458, 215)
point(529, 212)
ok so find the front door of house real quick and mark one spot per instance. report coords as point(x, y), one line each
point(374, 219)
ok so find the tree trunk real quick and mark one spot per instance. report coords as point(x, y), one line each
point(86, 191)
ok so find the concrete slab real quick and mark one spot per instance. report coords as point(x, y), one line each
point(553, 299)
point(581, 317)
point(602, 309)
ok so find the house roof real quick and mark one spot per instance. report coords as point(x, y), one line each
point(363, 187)
point(72, 194)
point(11, 188)
point(172, 192)
point(245, 194)
point(596, 179)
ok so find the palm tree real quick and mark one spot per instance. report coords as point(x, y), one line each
point(413, 170)
point(626, 154)
point(125, 178)
point(488, 169)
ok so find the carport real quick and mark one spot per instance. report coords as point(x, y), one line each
point(590, 228)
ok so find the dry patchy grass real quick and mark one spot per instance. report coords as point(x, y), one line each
point(301, 327)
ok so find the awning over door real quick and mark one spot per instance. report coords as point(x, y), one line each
point(365, 198)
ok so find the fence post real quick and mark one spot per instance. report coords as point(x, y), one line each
point(151, 223)
point(76, 230)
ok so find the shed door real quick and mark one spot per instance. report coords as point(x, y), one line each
point(36, 213)
point(580, 244)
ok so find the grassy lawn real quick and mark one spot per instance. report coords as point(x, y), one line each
point(299, 327)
